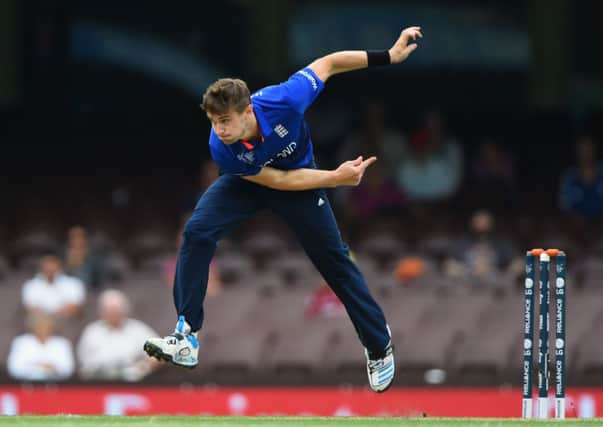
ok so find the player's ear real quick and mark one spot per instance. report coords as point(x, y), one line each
point(249, 109)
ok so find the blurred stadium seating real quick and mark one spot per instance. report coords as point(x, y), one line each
point(256, 331)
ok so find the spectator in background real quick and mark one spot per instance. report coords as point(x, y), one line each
point(493, 184)
point(96, 348)
point(385, 142)
point(80, 260)
point(482, 254)
point(410, 268)
point(433, 170)
point(323, 303)
point(581, 191)
point(52, 291)
point(377, 196)
point(40, 355)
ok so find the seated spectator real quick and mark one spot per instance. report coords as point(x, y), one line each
point(80, 260)
point(581, 192)
point(409, 268)
point(52, 291)
point(111, 347)
point(323, 303)
point(376, 196)
point(433, 170)
point(387, 143)
point(493, 185)
point(482, 254)
point(40, 355)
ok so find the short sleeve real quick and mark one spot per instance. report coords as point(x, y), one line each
point(302, 89)
point(28, 295)
point(62, 357)
point(18, 358)
point(75, 291)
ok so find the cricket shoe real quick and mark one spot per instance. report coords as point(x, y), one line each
point(381, 369)
point(180, 348)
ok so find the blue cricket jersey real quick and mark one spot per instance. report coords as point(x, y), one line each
point(286, 142)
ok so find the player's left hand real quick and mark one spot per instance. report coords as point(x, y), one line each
point(401, 49)
point(352, 171)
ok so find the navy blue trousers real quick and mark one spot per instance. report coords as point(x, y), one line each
point(228, 202)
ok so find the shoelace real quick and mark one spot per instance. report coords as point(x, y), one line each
point(375, 365)
point(174, 338)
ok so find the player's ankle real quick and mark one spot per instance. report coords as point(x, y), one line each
point(182, 326)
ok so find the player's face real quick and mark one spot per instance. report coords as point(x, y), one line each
point(230, 127)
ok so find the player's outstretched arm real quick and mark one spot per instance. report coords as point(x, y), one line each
point(348, 173)
point(348, 60)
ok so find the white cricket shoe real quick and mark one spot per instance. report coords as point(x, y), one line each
point(180, 348)
point(381, 370)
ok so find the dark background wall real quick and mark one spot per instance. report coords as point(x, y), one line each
point(101, 95)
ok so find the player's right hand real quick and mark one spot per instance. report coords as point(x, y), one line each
point(352, 171)
point(401, 49)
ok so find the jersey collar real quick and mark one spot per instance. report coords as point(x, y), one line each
point(263, 125)
point(250, 144)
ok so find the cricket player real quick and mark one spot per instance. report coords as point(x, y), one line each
point(263, 147)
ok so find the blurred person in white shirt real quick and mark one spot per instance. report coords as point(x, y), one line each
point(52, 291)
point(433, 169)
point(114, 330)
point(40, 355)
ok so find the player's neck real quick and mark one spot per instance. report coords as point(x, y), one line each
point(253, 131)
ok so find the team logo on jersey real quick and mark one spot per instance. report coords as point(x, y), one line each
point(247, 157)
point(286, 152)
point(281, 130)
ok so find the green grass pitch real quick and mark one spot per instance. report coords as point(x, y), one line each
point(195, 421)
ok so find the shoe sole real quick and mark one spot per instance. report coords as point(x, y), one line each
point(385, 389)
point(156, 352)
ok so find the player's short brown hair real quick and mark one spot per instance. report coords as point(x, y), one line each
point(225, 95)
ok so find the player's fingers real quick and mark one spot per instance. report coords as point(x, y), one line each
point(369, 162)
point(357, 161)
point(409, 49)
point(354, 162)
point(412, 31)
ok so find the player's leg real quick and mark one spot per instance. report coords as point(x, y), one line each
point(225, 205)
point(310, 216)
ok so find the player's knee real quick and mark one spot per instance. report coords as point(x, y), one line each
point(196, 233)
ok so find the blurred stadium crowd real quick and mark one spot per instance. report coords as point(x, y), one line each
point(437, 228)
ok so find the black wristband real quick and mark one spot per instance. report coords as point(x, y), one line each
point(378, 57)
